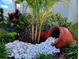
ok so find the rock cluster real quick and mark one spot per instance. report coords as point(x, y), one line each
point(21, 50)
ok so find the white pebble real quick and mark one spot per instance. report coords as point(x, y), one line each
point(21, 50)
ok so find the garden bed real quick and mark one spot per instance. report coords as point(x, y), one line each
point(20, 34)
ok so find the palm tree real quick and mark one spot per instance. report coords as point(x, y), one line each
point(40, 8)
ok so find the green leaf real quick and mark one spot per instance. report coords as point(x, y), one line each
point(12, 34)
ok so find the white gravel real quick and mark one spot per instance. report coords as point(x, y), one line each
point(21, 50)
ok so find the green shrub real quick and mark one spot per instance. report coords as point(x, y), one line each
point(7, 36)
point(24, 21)
point(74, 30)
point(71, 52)
point(3, 51)
point(57, 19)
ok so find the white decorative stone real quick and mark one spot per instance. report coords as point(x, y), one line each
point(19, 50)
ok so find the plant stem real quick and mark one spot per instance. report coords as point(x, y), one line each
point(32, 30)
point(36, 30)
point(40, 28)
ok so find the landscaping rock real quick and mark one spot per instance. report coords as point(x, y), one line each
point(21, 50)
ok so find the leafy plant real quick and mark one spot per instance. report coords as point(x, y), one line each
point(3, 50)
point(7, 37)
point(57, 19)
point(40, 9)
point(71, 51)
point(5, 24)
point(21, 26)
point(25, 27)
point(74, 29)
point(23, 21)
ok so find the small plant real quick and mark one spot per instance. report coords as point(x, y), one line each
point(57, 19)
point(71, 51)
point(24, 26)
point(7, 37)
point(74, 29)
point(3, 53)
point(3, 50)
point(23, 21)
